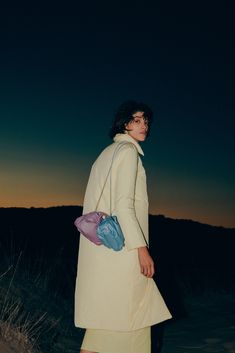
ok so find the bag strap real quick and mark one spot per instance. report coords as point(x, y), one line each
point(110, 204)
point(109, 173)
point(110, 209)
point(116, 149)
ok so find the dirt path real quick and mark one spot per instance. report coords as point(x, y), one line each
point(4, 348)
point(210, 327)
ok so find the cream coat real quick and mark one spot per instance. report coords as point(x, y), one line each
point(111, 293)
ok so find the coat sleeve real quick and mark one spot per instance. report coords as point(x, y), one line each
point(124, 174)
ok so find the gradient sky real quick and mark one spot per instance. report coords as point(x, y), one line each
point(64, 71)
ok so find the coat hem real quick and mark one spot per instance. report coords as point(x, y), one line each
point(84, 326)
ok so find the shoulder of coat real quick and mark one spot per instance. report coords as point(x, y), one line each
point(126, 150)
point(126, 146)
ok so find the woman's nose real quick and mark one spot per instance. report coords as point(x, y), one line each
point(144, 125)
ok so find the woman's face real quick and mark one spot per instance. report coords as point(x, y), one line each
point(138, 127)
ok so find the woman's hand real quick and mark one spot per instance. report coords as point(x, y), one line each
point(146, 262)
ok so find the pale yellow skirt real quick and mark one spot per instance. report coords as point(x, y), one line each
point(106, 341)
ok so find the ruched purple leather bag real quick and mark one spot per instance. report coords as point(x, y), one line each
point(88, 224)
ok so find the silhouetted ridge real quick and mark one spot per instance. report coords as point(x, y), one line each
point(172, 240)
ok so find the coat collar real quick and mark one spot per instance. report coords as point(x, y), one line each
point(126, 137)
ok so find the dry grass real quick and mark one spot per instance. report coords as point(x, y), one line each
point(20, 328)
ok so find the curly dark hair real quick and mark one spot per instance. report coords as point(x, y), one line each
point(125, 113)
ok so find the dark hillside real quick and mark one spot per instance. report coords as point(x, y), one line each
point(198, 255)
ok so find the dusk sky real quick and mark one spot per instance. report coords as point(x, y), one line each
point(64, 71)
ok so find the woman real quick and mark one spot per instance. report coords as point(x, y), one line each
point(116, 299)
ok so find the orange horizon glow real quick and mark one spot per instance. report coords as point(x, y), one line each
point(44, 186)
point(212, 220)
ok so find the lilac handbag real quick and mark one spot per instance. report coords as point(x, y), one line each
point(99, 227)
point(87, 224)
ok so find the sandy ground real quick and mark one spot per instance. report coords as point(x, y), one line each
point(210, 327)
point(4, 348)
